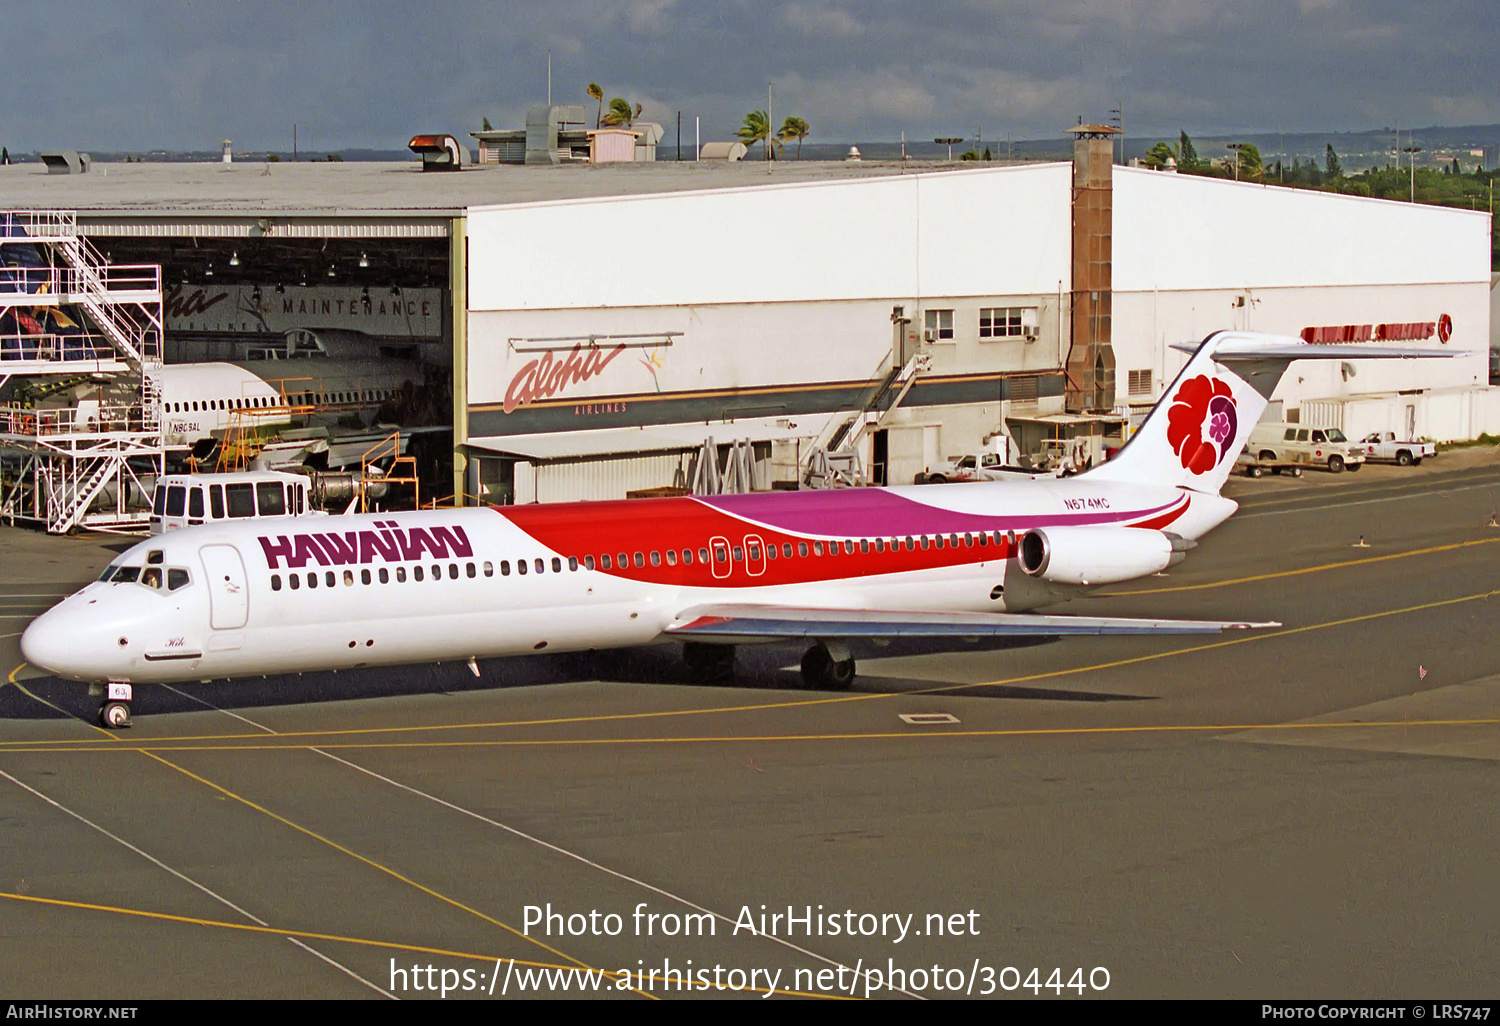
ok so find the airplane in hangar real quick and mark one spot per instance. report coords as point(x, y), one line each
point(821, 568)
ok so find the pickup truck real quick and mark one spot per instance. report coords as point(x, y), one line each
point(1385, 447)
point(979, 466)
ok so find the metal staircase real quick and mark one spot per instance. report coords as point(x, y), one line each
point(89, 464)
point(833, 461)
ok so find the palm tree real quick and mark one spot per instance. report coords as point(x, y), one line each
point(756, 128)
point(793, 128)
point(621, 113)
point(596, 92)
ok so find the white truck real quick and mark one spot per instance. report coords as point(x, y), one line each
point(1385, 447)
point(1280, 442)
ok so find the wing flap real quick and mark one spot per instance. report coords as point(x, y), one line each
point(730, 625)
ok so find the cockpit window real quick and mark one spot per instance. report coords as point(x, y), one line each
point(177, 579)
point(153, 557)
point(126, 575)
point(151, 578)
point(109, 572)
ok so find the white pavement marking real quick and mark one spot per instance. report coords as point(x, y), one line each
point(181, 876)
point(533, 839)
point(1361, 502)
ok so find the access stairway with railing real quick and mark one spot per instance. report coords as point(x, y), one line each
point(68, 317)
point(833, 460)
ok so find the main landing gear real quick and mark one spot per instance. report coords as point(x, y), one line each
point(114, 714)
point(709, 664)
point(828, 666)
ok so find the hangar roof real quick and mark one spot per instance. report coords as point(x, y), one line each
point(389, 190)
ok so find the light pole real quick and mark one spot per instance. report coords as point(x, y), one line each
point(1235, 149)
point(1413, 149)
point(950, 140)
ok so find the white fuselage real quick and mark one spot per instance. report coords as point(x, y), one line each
point(442, 585)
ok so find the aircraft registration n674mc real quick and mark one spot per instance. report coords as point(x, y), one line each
point(821, 567)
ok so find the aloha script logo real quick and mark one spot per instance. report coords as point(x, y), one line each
point(545, 377)
point(180, 302)
point(389, 544)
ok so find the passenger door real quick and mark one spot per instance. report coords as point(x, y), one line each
point(228, 589)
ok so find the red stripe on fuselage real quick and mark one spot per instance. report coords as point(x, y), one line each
point(644, 526)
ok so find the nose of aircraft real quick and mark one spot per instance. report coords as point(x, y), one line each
point(46, 644)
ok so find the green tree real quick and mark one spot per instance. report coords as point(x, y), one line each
point(1187, 156)
point(969, 154)
point(793, 128)
point(596, 92)
point(756, 128)
point(986, 153)
point(1331, 163)
point(1247, 161)
point(621, 113)
point(1159, 155)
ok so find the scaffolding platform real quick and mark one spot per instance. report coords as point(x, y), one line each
point(69, 317)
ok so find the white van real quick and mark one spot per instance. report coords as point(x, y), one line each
point(1299, 443)
point(186, 500)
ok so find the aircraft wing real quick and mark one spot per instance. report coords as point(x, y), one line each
point(731, 625)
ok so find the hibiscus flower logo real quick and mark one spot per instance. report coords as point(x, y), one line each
point(1201, 423)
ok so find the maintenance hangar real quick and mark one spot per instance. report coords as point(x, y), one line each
point(591, 331)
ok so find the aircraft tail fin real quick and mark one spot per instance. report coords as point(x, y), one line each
point(1203, 420)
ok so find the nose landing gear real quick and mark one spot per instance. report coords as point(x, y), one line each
point(114, 714)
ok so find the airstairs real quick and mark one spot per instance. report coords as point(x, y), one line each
point(833, 460)
point(71, 321)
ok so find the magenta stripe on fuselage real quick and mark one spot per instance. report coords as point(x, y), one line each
point(875, 513)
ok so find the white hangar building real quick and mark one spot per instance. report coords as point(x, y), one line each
point(1041, 298)
point(601, 323)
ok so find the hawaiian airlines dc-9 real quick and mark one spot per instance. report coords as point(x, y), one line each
point(820, 568)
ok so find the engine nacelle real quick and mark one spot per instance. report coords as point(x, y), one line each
point(1098, 555)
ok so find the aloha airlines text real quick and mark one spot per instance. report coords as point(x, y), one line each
point(388, 544)
point(545, 377)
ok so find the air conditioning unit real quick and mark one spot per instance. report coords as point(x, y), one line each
point(928, 335)
point(1032, 332)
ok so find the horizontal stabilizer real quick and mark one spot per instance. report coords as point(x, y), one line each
point(731, 625)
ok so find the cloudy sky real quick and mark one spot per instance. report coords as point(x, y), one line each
point(145, 74)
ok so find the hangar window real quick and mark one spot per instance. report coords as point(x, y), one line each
point(1139, 382)
point(939, 325)
point(1000, 322)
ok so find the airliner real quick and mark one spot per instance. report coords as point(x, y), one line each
point(815, 568)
